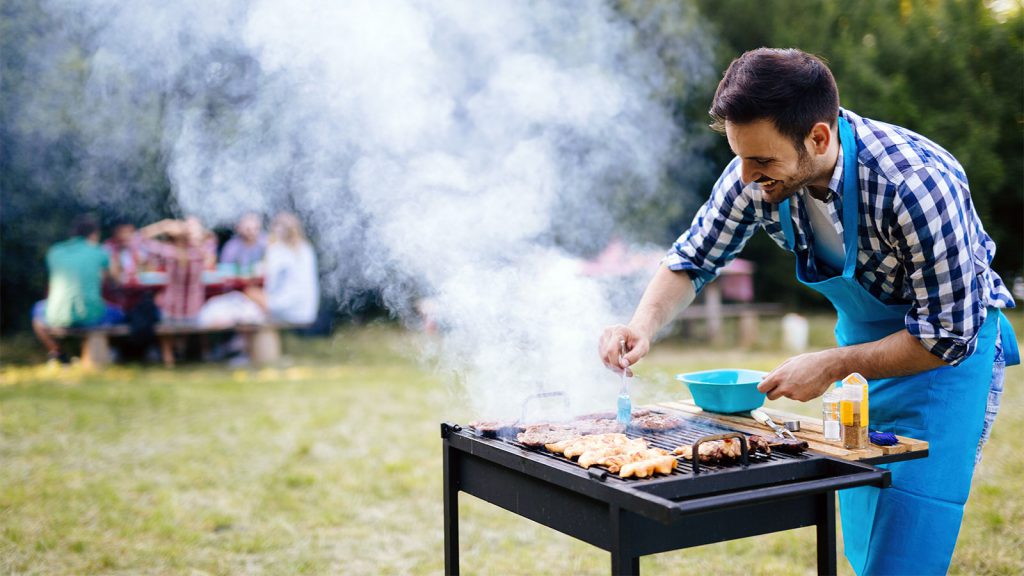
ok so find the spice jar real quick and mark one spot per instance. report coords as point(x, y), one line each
point(853, 419)
point(830, 416)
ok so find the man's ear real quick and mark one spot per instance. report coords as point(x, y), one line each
point(819, 138)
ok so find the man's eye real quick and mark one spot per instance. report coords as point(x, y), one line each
point(763, 162)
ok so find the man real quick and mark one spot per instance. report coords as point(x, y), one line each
point(881, 222)
point(246, 248)
point(76, 268)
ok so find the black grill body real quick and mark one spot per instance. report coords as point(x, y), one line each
point(634, 517)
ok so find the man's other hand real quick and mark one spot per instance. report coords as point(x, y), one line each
point(803, 377)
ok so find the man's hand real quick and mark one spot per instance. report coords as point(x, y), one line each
point(803, 377)
point(667, 291)
point(610, 347)
point(807, 376)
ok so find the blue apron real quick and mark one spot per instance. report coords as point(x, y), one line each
point(912, 527)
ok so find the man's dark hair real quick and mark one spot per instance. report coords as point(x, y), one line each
point(793, 89)
point(84, 225)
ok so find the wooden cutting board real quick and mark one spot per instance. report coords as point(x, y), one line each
point(810, 430)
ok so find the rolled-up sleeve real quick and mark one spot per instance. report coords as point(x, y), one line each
point(718, 232)
point(948, 308)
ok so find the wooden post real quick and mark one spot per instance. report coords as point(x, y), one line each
point(95, 350)
point(748, 328)
point(266, 345)
point(713, 310)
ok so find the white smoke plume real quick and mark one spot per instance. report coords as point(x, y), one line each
point(455, 152)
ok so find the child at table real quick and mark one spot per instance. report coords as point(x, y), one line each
point(187, 250)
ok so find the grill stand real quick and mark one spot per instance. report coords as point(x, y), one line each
point(514, 484)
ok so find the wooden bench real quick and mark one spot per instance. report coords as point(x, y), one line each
point(263, 341)
point(95, 342)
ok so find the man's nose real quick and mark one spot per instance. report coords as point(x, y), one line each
point(749, 172)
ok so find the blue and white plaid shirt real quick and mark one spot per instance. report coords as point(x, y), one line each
point(920, 242)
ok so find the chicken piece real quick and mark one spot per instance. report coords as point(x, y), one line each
point(713, 451)
point(580, 444)
point(597, 442)
point(644, 468)
point(616, 462)
point(560, 446)
point(601, 454)
point(759, 444)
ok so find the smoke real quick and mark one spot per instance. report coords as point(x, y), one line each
point(456, 156)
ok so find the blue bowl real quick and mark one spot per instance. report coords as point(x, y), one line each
point(725, 391)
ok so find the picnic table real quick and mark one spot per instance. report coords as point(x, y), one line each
point(263, 340)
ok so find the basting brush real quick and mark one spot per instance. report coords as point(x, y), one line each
point(625, 411)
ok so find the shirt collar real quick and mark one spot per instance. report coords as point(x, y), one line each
point(835, 184)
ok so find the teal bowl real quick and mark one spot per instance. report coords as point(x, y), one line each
point(725, 391)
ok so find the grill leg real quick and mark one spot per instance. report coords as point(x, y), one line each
point(451, 511)
point(624, 561)
point(826, 504)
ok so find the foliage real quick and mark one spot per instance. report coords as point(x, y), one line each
point(52, 166)
point(951, 70)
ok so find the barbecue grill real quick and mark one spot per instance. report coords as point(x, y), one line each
point(634, 517)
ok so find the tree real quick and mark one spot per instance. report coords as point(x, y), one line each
point(951, 70)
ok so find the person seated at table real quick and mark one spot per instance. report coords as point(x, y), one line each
point(76, 268)
point(185, 249)
point(125, 245)
point(246, 248)
point(291, 286)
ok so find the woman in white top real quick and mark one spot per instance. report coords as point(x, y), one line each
point(291, 287)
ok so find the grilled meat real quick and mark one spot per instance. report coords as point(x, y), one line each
point(723, 451)
point(494, 428)
point(662, 464)
point(601, 455)
point(788, 445)
point(656, 421)
point(729, 450)
point(759, 444)
point(541, 434)
point(580, 444)
point(612, 415)
point(598, 426)
point(616, 452)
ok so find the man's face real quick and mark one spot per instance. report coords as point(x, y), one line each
point(249, 228)
point(770, 159)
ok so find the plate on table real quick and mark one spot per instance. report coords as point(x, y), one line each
point(212, 277)
point(152, 277)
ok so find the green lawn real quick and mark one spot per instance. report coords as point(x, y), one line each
point(332, 465)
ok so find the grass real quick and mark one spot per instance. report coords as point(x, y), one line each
point(332, 465)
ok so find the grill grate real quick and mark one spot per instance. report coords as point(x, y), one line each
point(694, 429)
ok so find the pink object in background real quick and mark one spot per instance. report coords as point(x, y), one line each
point(737, 280)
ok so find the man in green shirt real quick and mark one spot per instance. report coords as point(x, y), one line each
point(77, 267)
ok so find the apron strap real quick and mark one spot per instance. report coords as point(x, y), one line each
point(851, 196)
point(851, 199)
point(786, 219)
point(1009, 341)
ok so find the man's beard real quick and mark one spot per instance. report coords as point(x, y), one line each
point(803, 176)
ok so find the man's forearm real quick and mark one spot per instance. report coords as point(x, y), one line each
point(668, 292)
point(899, 354)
